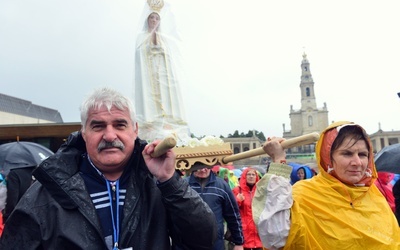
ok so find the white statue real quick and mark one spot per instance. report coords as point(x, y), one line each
point(158, 101)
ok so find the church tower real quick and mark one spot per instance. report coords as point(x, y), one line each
point(309, 118)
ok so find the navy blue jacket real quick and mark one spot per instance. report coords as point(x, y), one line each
point(219, 197)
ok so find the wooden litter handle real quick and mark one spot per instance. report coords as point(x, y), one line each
point(290, 143)
point(164, 146)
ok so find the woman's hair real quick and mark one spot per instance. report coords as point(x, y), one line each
point(106, 97)
point(355, 133)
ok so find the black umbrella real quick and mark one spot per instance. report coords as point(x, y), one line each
point(21, 154)
point(388, 159)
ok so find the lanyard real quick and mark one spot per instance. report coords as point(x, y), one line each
point(114, 195)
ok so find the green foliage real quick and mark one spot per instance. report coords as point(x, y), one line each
point(236, 134)
point(259, 135)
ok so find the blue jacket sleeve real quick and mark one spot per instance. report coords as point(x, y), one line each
point(232, 217)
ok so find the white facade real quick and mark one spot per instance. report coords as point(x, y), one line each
point(9, 118)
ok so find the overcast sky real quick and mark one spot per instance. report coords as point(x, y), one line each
point(242, 58)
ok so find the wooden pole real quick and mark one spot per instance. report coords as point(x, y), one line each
point(290, 143)
point(164, 146)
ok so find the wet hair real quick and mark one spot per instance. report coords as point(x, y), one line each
point(355, 133)
point(106, 97)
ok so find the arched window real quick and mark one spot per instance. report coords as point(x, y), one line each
point(310, 121)
point(307, 91)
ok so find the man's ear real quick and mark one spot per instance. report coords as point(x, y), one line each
point(136, 128)
point(83, 134)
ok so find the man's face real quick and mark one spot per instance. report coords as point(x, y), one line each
point(202, 173)
point(110, 139)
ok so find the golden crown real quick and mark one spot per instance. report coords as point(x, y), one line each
point(155, 5)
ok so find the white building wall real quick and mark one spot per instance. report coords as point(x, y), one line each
point(8, 118)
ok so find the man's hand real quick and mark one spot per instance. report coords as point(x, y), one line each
point(162, 167)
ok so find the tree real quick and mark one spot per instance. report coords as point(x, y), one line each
point(261, 136)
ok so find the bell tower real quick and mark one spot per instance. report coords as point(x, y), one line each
point(309, 118)
point(307, 86)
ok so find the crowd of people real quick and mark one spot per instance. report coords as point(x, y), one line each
point(103, 190)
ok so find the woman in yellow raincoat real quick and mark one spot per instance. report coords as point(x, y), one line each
point(340, 208)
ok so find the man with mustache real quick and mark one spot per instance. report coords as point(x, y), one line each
point(104, 190)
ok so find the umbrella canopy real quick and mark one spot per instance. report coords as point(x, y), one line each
point(388, 159)
point(21, 154)
point(237, 172)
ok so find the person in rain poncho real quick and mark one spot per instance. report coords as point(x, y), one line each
point(233, 177)
point(244, 194)
point(224, 174)
point(299, 172)
point(383, 184)
point(340, 208)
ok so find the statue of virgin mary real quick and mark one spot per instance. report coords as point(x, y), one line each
point(158, 101)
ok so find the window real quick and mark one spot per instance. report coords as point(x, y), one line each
point(310, 121)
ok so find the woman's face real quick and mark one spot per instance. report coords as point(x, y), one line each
point(350, 160)
point(153, 21)
point(251, 177)
point(300, 174)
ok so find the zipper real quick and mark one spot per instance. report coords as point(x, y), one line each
point(113, 188)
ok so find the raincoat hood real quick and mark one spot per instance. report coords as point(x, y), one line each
point(224, 171)
point(242, 181)
point(295, 167)
point(323, 152)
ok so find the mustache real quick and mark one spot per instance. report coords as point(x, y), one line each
point(110, 144)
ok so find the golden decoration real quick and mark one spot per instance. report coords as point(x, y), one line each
point(155, 5)
point(211, 155)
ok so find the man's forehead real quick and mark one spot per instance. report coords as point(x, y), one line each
point(104, 111)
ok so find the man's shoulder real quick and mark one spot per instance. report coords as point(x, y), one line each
point(221, 183)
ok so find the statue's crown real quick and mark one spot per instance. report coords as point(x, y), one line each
point(155, 5)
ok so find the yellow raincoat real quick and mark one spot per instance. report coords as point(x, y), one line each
point(326, 213)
